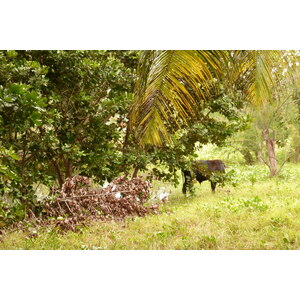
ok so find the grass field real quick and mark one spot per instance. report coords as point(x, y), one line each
point(259, 213)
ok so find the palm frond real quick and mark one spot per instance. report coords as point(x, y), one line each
point(253, 70)
point(170, 88)
point(173, 86)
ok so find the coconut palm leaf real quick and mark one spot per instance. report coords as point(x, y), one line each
point(173, 86)
point(170, 89)
point(252, 71)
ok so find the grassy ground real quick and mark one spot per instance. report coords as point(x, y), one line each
point(259, 213)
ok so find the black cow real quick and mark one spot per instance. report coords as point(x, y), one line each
point(202, 170)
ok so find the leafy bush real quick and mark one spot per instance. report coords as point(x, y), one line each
point(10, 214)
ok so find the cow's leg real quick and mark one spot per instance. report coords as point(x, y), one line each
point(213, 186)
point(187, 178)
point(184, 188)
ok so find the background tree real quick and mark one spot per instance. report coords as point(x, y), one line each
point(274, 122)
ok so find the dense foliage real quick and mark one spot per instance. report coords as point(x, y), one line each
point(61, 112)
point(66, 113)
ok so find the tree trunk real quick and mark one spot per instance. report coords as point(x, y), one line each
point(68, 168)
point(270, 145)
point(58, 172)
point(135, 172)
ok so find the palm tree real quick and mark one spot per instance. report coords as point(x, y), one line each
point(173, 85)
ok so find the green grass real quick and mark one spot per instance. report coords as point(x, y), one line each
point(259, 213)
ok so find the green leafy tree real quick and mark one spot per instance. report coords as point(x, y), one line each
point(64, 112)
point(21, 109)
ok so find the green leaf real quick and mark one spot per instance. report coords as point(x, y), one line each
point(36, 118)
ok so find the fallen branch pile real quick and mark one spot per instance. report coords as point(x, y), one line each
point(77, 203)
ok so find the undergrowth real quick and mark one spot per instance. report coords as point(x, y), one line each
point(259, 213)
